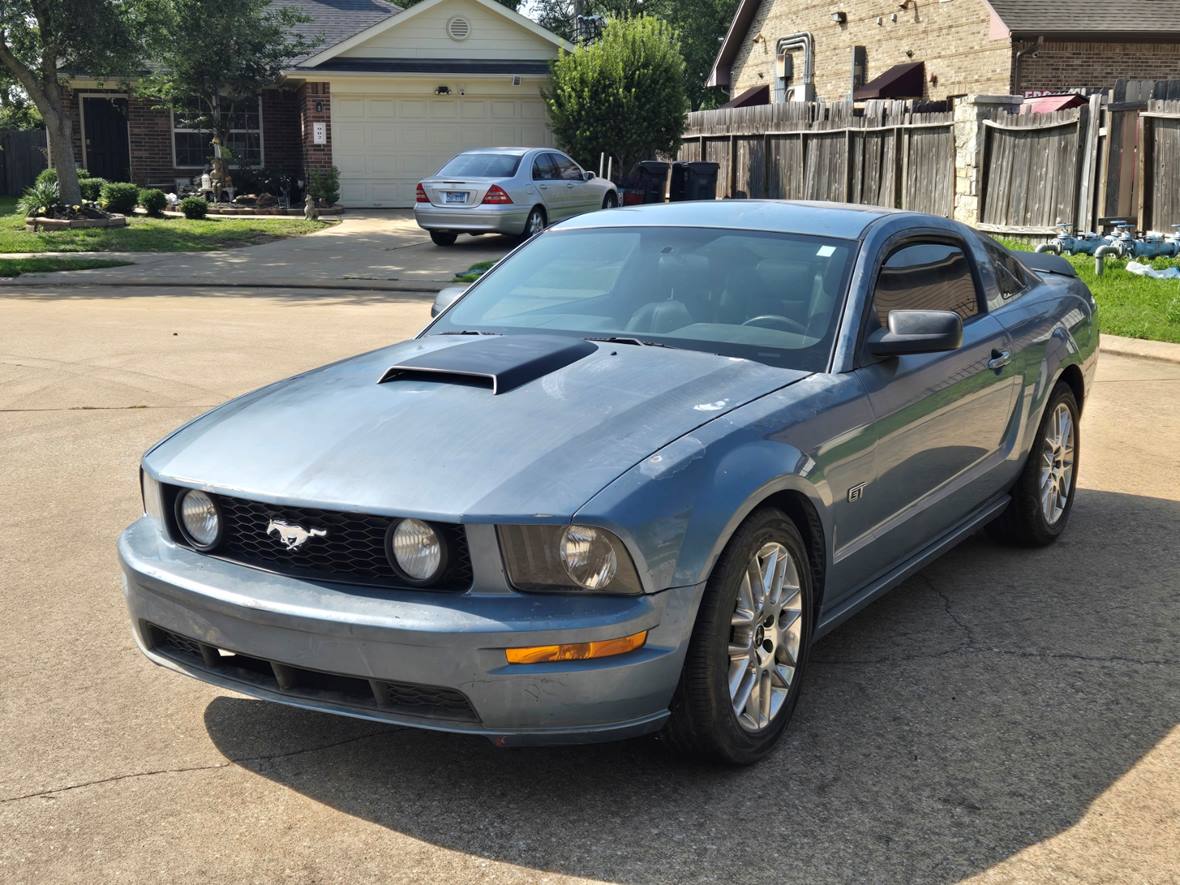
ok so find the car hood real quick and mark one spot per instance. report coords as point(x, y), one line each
point(450, 449)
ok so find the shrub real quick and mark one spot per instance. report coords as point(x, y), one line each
point(91, 188)
point(623, 95)
point(40, 199)
point(153, 200)
point(119, 196)
point(194, 207)
point(324, 185)
point(48, 174)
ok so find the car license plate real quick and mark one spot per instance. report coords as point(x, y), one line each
point(455, 197)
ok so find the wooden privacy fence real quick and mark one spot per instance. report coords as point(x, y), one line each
point(1159, 166)
point(896, 154)
point(22, 156)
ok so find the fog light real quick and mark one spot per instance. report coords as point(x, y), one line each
point(199, 519)
point(417, 550)
point(579, 651)
point(588, 556)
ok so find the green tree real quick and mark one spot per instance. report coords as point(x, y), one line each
point(700, 25)
point(622, 95)
point(41, 38)
point(215, 55)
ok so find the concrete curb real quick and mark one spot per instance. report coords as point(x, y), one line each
point(57, 279)
point(1161, 351)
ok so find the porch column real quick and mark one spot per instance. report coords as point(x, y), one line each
point(315, 106)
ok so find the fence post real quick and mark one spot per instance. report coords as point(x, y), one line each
point(971, 152)
point(1085, 218)
point(1146, 170)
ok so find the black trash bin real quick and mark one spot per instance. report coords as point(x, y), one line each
point(646, 183)
point(694, 181)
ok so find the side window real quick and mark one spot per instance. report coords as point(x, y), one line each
point(926, 276)
point(568, 169)
point(1011, 277)
point(544, 169)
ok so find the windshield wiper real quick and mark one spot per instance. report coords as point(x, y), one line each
point(468, 332)
point(626, 339)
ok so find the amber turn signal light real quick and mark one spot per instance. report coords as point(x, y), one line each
point(578, 651)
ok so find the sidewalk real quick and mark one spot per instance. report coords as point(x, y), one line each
point(1162, 351)
point(373, 250)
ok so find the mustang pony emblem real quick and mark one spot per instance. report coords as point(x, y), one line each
point(294, 536)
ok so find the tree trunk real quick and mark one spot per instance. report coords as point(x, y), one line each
point(60, 129)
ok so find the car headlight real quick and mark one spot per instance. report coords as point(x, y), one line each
point(199, 519)
point(575, 557)
point(417, 551)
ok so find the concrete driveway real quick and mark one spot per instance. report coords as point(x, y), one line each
point(368, 249)
point(1006, 715)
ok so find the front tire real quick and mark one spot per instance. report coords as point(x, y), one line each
point(745, 661)
point(610, 201)
point(443, 238)
point(1043, 496)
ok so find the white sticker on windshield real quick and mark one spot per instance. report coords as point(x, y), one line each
point(826, 252)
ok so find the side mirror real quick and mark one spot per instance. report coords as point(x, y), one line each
point(588, 176)
point(917, 331)
point(445, 299)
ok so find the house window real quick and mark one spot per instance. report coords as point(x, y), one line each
point(192, 146)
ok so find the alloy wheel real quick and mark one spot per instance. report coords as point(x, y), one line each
point(536, 223)
point(766, 636)
point(1057, 462)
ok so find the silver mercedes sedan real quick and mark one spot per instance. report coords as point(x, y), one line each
point(515, 191)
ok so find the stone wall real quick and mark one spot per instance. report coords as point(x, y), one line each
point(951, 38)
point(969, 114)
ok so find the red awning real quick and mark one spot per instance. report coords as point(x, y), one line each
point(755, 95)
point(1047, 104)
point(900, 81)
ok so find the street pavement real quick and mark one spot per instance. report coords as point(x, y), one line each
point(1003, 716)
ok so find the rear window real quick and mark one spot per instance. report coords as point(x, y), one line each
point(482, 166)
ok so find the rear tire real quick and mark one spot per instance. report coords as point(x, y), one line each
point(443, 238)
point(1043, 496)
point(740, 640)
point(534, 224)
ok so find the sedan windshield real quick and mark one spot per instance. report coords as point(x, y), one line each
point(480, 165)
point(775, 298)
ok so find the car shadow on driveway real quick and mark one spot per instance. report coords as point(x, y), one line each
point(977, 710)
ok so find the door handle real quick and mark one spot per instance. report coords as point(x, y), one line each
point(1000, 358)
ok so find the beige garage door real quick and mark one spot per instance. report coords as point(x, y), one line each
point(384, 145)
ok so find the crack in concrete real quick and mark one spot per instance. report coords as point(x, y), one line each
point(226, 764)
point(965, 652)
point(107, 408)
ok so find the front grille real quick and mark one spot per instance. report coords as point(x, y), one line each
point(423, 701)
point(352, 551)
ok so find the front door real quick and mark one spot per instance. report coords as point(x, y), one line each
point(941, 418)
point(104, 133)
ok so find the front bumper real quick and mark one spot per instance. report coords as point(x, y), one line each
point(431, 644)
point(483, 219)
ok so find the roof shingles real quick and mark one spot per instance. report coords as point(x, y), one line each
point(1089, 16)
point(333, 21)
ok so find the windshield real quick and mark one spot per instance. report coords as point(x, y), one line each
point(771, 297)
point(481, 166)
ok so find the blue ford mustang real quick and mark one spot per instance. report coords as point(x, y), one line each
point(626, 481)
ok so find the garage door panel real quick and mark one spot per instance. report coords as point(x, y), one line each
point(384, 146)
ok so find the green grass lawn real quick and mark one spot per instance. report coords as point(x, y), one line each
point(148, 234)
point(14, 267)
point(474, 272)
point(1137, 307)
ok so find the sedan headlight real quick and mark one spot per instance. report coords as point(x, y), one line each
point(548, 558)
point(417, 551)
point(199, 519)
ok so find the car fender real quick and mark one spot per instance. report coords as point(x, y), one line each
point(677, 509)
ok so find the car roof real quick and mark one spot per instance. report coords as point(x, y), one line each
point(514, 151)
point(834, 220)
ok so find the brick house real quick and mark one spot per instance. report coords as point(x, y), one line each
point(386, 96)
point(779, 50)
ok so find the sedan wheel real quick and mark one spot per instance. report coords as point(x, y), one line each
point(610, 201)
point(1057, 457)
point(745, 660)
point(535, 223)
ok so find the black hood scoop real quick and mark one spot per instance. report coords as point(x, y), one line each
point(499, 363)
